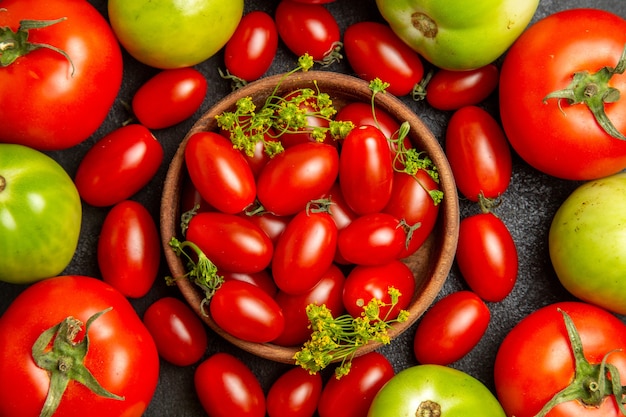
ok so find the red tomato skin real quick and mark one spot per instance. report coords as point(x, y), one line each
point(226, 387)
point(479, 153)
point(304, 251)
point(451, 328)
point(231, 242)
point(296, 176)
point(294, 394)
point(119, 333)
point(129, 249)
point(487, 256)
point(262, 279)
point(307, 28)
point(451, 90)
point(341, 213)
point(219, 172)
point(178, 332)
point(169, 97)
point(535, 361)
point(247, 312)
point(361, 114)
point(354, 392)
point(366, 43)
point(291, 137)
point(365, 170)
point(251, 49)
point(271, 224)
point(118, 166)
point(45, 105)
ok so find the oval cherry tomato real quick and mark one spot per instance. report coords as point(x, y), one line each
point(341, 213)
point(169, 97)
point(365, 170)
point(262, 279)
point(451, 90)
point(178, 332)
point(361, 114)
point(366, 282)
point(251, 49)
point(271, 224)
point(451, 328)
point(353, 393)
point(487, 256)
point(118, 165)
point(375, 51)
point(247, 312)
point(226, 387)
point(219, 172)
point(294, 394)
point(129, 249)
point(231, 242)
point(478, 153)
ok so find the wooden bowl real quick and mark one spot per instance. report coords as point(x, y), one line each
point(430, 264)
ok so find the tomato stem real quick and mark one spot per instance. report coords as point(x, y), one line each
point(3, 183)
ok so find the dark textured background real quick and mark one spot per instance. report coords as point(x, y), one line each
point(527, 209)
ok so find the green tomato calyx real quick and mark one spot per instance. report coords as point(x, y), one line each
point(594, 91)
point(592, 382)
point(425, 25)
point(57, 351)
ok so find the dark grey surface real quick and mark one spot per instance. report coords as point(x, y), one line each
point(527, 209)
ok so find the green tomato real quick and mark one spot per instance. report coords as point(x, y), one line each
point(434, 390)
point(458, 34)
point(587, 243)
point(40, 215)
point(174, 33)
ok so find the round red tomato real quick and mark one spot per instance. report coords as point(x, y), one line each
point(478, 153)
point(486, 255)
point(118, 165)
point(451, 90)
point(117, 333)
point(294, 394)
point(451, 328)
point(555, 135)
point(51, 101)
point(537, 359)
point(178, 332)
point(129, 249)
point(227, 388)
point(170, 97)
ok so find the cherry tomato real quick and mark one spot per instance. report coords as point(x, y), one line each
point(262, 279)
point(451, 328)
point(170, 97)
point(487, 256)
point(271, 224)
point(226, 387)
point(353, 393)
point(247, 312)
point(129, 249)
point(251, 49)
point(365, 170)
point(294, 394)
point(375, 51)
point(178, 332)
point(219, 172)
point(361, 114)
point(341, 213)
point(118, 165)
point(365, 282)
point(190, 198)
point(478, 153)
point(311, 105)
point(451, 90)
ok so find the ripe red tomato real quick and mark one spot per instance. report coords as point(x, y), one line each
point(261, 279)
point(271, 224)
point(536, 360)
point(219, 172)
point(354, 392)
point(129, 249)
point(478, 153)
point(361, 114)
point(341, 213)
point(226, 387)
point(294, 394)
point(122, 355)
point(118, 165)
point(375, 51)
point(169, 97)
point(178, 332)
point(49, 101)
point(451, 90)
point(486, 255)
point(250, 51)
point(247, 312)
point(451, 328)
point(555, 136)
point(311, 105)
